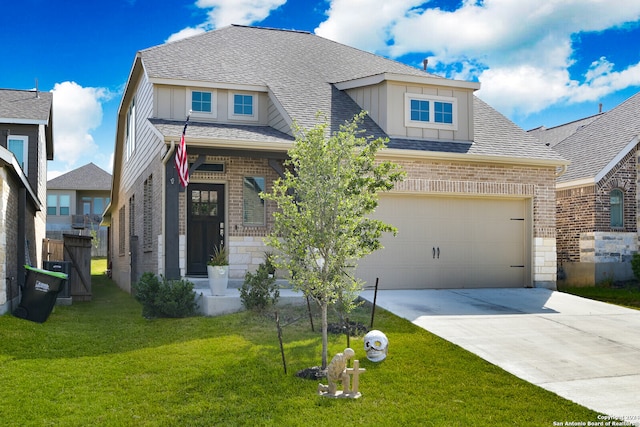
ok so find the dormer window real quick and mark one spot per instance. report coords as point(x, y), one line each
point(242, 106)
point(419, 110)
point(202, 102)
point(429, 111)
point(443, 112)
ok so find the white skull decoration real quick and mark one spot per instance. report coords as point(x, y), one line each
point(376, 345)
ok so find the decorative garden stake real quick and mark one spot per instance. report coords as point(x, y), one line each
point(337, 372)
point(376, 345)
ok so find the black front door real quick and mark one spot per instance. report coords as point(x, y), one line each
point(205, 224)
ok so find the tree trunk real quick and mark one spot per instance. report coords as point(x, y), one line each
point(324, 335)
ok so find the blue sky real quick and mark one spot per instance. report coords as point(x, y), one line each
point(539, 62)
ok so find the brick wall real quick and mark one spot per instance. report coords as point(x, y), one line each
point(8, 240)
point(245, 243)
point(236, 168)
point(446, 177)
point(423, 176)
point(575, 215)
point(586, 209)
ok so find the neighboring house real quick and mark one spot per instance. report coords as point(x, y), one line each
point(597, 197)
point(477, 208)
point(75, 204)
point(26, 143)
point(554, 135)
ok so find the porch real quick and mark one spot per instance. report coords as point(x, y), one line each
point(209, 305)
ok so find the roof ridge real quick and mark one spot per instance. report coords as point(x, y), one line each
point(258, 27)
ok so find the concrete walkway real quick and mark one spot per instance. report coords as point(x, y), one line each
point(583, 350)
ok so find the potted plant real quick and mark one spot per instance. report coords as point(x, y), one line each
point(218, 270)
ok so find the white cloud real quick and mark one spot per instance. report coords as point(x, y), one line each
point(370, 31)
point(520, 50)
point(184, 33)
point(77, 111)
point(226, 12)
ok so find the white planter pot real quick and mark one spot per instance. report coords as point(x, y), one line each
point(218, 279)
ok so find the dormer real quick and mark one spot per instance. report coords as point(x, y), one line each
point(416, 107)
point(211, 102)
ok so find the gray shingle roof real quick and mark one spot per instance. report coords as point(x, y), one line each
point(554, 135)
point(300, 68)
point(172, 128)
point(21, 105)
point(87, 177)
point(592, 147)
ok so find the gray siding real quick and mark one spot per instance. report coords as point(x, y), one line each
point(147, 143)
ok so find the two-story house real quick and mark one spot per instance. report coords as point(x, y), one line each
point(76, 201)
point(26, 143)
point(477, 208)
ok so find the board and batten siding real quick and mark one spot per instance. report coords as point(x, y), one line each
point(170, 103)
point(275, 119)
point(392, 107)
point(373, 100)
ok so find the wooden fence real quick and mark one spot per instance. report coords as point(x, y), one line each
point(76, 250)
point(52, 250)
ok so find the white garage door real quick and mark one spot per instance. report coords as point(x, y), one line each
point(450, 242)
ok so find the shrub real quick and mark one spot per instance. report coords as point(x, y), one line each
point(635, 265)
point(259, 289)
point(161, 297)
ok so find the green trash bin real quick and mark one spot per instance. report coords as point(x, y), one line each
point(39, 294)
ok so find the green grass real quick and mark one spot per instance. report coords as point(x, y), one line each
point(101, 363)
point(626, 294)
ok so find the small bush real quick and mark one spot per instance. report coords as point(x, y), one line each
point(635, 265)
point(259, 289)
point(161, 297)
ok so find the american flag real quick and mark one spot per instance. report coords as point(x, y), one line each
point(182, 165)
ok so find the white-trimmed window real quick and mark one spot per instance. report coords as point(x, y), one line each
point(19, 146)
point(430, 111)
point(130, 131)
point(243, 106)
point(202, 102)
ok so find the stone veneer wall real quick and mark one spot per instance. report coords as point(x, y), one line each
point(604, 247)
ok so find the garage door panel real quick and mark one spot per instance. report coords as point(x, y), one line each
point(449, 242)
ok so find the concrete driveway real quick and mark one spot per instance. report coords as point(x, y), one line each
point(583, 350)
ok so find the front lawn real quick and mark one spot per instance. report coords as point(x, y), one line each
point(626, 294)
point(101, 363)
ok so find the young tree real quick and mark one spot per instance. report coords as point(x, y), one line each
point(322, 226)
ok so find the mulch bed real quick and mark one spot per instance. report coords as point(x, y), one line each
point(355, 329)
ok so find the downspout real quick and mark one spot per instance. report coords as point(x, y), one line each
point(562, 171)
